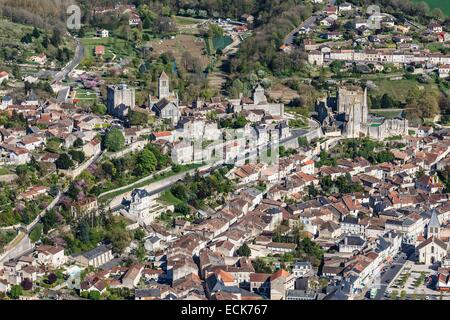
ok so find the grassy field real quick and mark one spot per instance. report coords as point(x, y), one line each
point(84, 94)
point(444, 5)
point(399, 89)
point(186, 21)
point(168, 198)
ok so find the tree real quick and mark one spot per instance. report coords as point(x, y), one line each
point(394, 295)
point(139, 234)
point(56, 37)
point(138, 118)
point(114, 140)
point(16, 291)
point(403, 294)
point(64, 162)
point(261, 266)
point(182, 208)
point(77, 155)
point(83, 232)
point(387, 102)
point(119, 237)
point(146, 162)
point(27, 284)
point(244, 251)
point(78, 143)
point(99, 108)
point(52, 278)
point(36, 234)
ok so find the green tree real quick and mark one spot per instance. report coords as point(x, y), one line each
point(99, 108)
point(114, 140)
point(36, 234)
point(146, 162)
point(244, 251)
point(78, 143)
point(64, 162)
point(56, 37)
point(77, 155)
point(16, 291)
point(261, 266)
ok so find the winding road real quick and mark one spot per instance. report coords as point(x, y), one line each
point(78, 57)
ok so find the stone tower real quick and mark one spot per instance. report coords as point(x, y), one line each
point(352, 101)
point(259, 96)
point(163, 86)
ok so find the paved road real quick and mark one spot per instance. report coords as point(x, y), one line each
point(79, 54)
point(306, 24)
point(392, 272)
point(160, 186)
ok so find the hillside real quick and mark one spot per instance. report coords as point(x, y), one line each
point(43, 13)
point(443, 5)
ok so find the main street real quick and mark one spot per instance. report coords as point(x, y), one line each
point(391, 273)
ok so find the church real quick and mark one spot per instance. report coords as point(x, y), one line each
point(166, 105)
point(348, 115)
point(258, 101)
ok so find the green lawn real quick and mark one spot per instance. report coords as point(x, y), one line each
point(185, 21)
point(84, 94)
point(113, 46)
point(169, 198)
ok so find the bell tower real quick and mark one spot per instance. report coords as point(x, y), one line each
point(163, 86)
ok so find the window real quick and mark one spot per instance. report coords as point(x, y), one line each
point(432, 249)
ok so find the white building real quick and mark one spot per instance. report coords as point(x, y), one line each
point(50, 256)
point(143, 207)
point(431, 251)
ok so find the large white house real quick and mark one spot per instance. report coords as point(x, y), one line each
point(50, 256)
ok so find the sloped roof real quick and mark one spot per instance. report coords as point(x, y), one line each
point(436, 241)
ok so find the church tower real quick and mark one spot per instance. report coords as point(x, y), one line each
point(259, 96)
point(434, 227)
point(163, 86)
